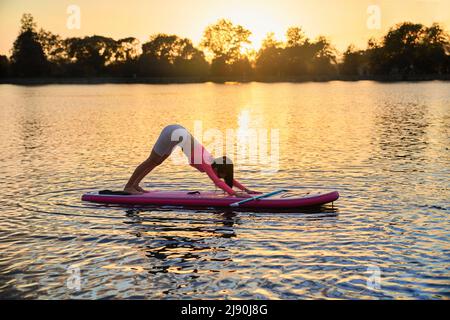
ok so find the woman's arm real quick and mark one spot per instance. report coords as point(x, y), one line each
point(239, 185)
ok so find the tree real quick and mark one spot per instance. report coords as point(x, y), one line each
point(409, 49)
point(170, 55)
point(437, 50)
point(124, 62)
point(28, 57)
point(55, 52)
point(241, 68)
point(295, 37)
point(4, 66)
point(126, 49)
point(298, 54)
point(352, 61)
point(268, 59)
point(27, 23)
point(52, 45)
point(90, 55)
point(400, 44)
point(271, 42)
point(324, 60)
point(225, 41)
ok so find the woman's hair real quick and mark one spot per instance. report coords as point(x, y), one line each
point(224, 167)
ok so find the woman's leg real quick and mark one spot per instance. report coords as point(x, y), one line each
point(161, 151)
point(142, 170)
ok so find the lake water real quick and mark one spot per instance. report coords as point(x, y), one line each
point(384, 147)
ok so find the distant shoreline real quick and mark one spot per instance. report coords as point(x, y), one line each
point(181, 80)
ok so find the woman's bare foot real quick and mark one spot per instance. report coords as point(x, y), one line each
point(138, 188)
point(132, 190)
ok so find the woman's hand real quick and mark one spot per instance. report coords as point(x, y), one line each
point(242, 195)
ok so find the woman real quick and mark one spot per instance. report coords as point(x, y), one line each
point(199, 158)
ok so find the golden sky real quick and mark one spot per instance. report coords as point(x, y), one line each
point(343, 21)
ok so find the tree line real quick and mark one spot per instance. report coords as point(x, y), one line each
point(406, 49)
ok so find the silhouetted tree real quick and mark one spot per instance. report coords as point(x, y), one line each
point(195, 65)
point(297, 54)
point(324, 59)
point(352, 62)
point(4, 66)
point(241, 68)
point(126, 49)
point(55, 52)
point(52, 45)
point(124, 62)
point(435, 51)
point(268, 59)
point(295, 37)
point(28, 58)
point(90, 55)
point(305, 57)
point(170, 55)
point(220, 67)
point(409, 49)
point(225, 41)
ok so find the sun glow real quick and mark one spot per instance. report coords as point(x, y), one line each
point(260, 23)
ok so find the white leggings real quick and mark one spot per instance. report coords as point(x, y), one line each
point(170, 137)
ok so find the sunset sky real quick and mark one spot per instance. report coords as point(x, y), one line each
point(344, 21)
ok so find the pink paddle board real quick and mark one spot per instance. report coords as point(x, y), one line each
point(287, 200)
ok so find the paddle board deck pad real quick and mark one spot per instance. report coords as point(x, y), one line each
point(287, 200)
